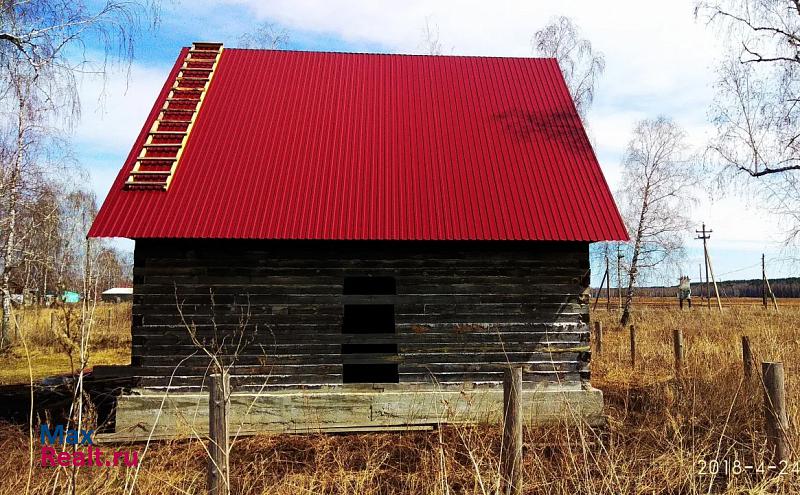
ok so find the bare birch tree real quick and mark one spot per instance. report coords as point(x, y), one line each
point(656, 191)
point(430, 43)
point(43, 47)
point(23, 138)
point(756, 111)
point(266, 35)
point(580, 64)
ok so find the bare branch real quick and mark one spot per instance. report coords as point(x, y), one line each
point(579, 63)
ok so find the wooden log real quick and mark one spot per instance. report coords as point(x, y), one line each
point(747, 357)
point(633, 345)
point(218, 409)
point(776, 421)
point(457, 310)
point(511, 456)
point(677, 345)
point(598, 337)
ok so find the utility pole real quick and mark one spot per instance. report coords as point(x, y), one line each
point(608, 286)
point(705, 235)
point(763, 281)
point(766, 289)
point(700, 284)
point(619, 278)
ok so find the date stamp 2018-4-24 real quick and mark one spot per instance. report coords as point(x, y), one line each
point(735, 467)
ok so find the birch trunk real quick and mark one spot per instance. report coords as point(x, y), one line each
point(11, 208)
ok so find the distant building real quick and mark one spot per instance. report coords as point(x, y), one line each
point(70, 297)
point(117, 294)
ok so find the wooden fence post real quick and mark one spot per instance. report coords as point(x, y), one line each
point(598, 337)
point(110, 321)
point(776, 422)
point(53, 322)
point(511, 455)
point(633, 346)
point(747, 357)
point(20, 318)
point(677, 345)
point(218, 408)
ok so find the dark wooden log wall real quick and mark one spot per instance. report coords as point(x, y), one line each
point(462, 310)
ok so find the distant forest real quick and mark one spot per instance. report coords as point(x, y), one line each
point(781, 287)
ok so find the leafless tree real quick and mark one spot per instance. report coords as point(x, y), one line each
point(656, 192)
point(49, 41)
point(430, 43)
point(581, 65)
point(22, 140)
point(44, 45)
point(266, 35)
point(756, 111)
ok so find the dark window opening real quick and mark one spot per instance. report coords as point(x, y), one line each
point(370, 373)
point(369, 286)
point(369, 348)
point(368, 318)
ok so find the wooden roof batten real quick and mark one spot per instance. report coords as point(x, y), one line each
point(155, 171)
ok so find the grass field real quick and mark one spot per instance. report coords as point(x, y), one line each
point(660, 429)
point(47, 335)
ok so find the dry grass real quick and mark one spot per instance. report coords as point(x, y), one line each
point(49, 345)
point(658, 430)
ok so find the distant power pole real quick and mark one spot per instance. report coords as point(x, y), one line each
point(705, 235)
point(763, 281)
point(700, 284)
point(765, 287)
point(608, 286)
point(619, 277)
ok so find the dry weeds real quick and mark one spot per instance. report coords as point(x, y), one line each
point(659, 428)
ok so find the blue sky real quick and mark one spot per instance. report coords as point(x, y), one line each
point(660, 60)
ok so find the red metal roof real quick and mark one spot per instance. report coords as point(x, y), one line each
point(308, 145)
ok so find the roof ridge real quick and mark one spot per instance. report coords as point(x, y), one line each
point(385, 54)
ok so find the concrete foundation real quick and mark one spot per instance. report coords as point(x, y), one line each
point(349, 408)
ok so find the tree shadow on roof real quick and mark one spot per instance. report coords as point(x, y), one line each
point(561, 126)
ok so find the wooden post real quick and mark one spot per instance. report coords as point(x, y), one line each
point(776, 422)
point(598, 337)
point(633, 346)
point(218, 408)
point(763, 281)
point(747, 357)
point(677, 345)
point(20, 318)
point(53, 321)
point(110, 326)
point(511, 455)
